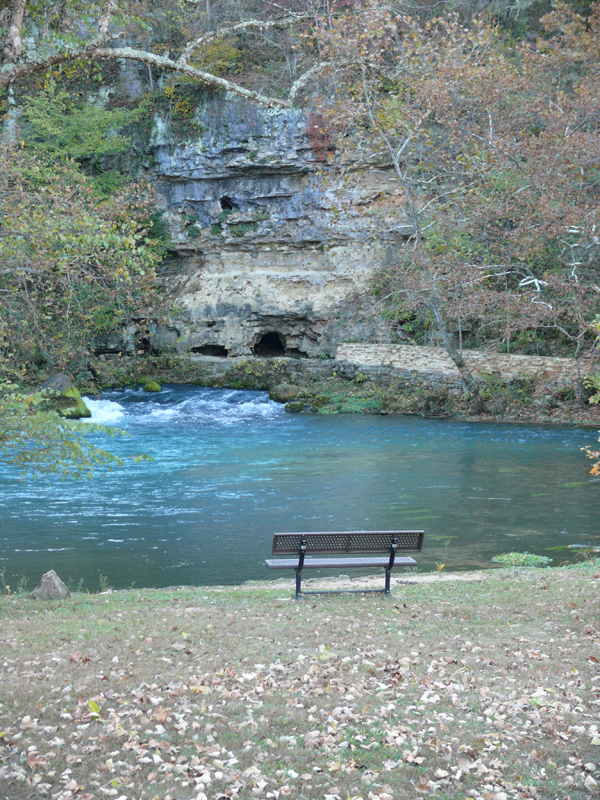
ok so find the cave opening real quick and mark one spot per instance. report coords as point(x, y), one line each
point(210, 350)
point(269, 346)
point(227, 204)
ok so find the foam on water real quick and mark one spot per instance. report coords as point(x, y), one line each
point(104, 412)
point(200, 407)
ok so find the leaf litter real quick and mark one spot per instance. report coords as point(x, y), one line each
point(487, 690)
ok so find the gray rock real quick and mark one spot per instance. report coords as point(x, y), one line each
point(60, 383)
point(348, 370)
point(50, 588)
point(284, 393)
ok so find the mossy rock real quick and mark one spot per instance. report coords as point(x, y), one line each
point(144, 380)
point(295, 406)
point(64, 397)
point(284, 392)
point(152, 386)
point(71, 406)
point(321, 400)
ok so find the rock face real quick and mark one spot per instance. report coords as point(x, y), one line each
point(274, 252)
point(50, 588)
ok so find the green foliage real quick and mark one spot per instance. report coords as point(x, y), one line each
point(61, 127)
point(224, 214)
point(108, 182)
point(492, 386)
point(74, 265)
point(521, 560)
point(159, 231)
point(41, 441)
point(242, 228)
point(593, 382)
point(218, 57)
point(104, 586)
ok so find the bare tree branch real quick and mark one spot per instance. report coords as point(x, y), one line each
point(167, 63)
point(226, 30)
point(306, 76)
point(12, 70)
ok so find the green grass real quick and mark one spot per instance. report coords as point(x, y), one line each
point(451, 689)
point(522, 560)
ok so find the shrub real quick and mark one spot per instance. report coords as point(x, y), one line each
point(521, 560)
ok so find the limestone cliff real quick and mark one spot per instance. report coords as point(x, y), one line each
point(276, 247)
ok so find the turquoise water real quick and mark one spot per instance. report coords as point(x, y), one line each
point(230, 468)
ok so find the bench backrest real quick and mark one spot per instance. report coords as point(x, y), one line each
point(348, 542)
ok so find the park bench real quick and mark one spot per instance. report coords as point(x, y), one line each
point(302, 546)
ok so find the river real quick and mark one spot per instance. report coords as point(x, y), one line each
point(231, 467)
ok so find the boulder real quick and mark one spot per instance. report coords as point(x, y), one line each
point(64, 397)
point(295, 406)
point(152, 386)
point(284, 393)
point(50, 588)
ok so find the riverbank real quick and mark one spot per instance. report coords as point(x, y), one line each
point(482, 688)
point(328, 386)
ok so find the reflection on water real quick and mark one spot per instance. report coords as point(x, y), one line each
point(231, 467)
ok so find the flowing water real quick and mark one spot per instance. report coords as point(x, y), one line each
point(231, 467)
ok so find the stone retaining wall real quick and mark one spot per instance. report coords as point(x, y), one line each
point(430, 361)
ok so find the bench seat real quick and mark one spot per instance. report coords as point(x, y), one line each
point(321, 563)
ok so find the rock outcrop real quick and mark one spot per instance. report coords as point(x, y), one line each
point(274, 250)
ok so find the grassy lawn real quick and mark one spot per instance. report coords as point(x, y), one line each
point(481, 689)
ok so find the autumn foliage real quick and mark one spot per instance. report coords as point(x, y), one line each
point(496, 148)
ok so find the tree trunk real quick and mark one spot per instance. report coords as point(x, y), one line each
point(461, 365)
point(13, 44)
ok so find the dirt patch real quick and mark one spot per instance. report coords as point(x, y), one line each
point(375, 582)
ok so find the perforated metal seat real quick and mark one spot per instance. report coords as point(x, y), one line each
point(324, 563)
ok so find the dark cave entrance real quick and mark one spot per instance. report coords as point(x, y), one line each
point(210, 350)
point(269, 346)
point(227, 204)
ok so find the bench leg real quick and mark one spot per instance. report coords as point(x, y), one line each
point(387, 582)
point(298, 584)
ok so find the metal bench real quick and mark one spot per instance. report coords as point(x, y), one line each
point(302, 546)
